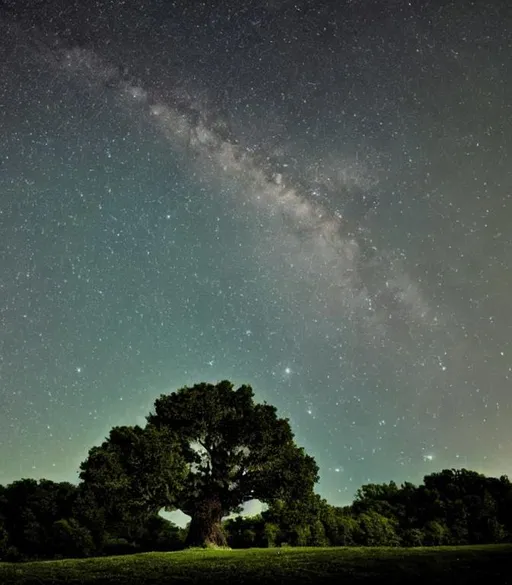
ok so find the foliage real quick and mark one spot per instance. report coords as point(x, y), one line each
point(413, 537)
point(207, 450)
point(244, 532)
point(4, 541)
point(270, 534)
point(134, 474)
point(436, 533)
point(50, 520)
point(236, 451)
point(160, 534)
point(347, 529)
point(70, 539)
point(29, 509)
point(376, 530)
point(451, 507)
point(90, 512)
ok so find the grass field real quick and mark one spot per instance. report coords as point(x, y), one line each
point(490, 565)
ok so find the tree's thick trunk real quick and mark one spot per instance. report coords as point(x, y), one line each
point(205, 526)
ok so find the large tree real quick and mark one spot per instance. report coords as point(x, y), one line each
point(226, 449)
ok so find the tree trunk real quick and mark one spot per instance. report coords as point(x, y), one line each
point(205, 526)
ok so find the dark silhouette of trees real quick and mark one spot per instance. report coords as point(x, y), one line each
point(133, 475)
point(30, 514)
point(451, 507)
point(235, 451)
point(45, 519)
point(110, 516)
point(208, 449)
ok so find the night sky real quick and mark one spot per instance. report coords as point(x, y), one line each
point(315, 201)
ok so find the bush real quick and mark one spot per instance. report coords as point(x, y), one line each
point(346, 531)
point(70, 539)
point(4, 542)
point(118, 546)
point(317, 535)
point(496, 532)
point(300, 535)
point(376, 530)
point(248, 538)
point(13, 555)
point(270, 534)
point(413, 537)
point(436, 534)
point(160, 534)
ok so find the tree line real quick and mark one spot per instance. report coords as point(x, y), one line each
point(452, 507)
point(208, 449)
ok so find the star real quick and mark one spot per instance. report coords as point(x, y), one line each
point(302, 225)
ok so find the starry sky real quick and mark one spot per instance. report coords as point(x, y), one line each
point(313, 200)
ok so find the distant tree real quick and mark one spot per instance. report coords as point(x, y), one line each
point(160, 534)
point(376, 530)
point(88, 510)
point(453, 506)
point(4, 542)
point(70, 539)
point(299, 535)
point(304, 522)
point(501, 489)
point(292, 512)
point(249, 538)
point(328, 515)
point(29, 508)
point(413, 537)
point(436, 533)
point(270, 534)
point(469, 504)
point(234, 529)
point(318, 536)
point(347, 529)
point(206, 450)
point(246, 531)
point(375, 497)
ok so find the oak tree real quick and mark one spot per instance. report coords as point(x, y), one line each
point(211, 448)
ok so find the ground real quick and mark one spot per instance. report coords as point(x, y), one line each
point(476, 564)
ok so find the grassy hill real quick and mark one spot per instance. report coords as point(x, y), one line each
point(473, 564)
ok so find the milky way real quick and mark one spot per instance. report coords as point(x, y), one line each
point(319, 209)
point(329, 242)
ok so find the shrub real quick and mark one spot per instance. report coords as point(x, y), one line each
point(436, 533)
point(70, 539)
point(270, 534)
point(413, 537)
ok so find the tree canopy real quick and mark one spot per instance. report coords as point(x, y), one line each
point(134, 473)
point(206, 450)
